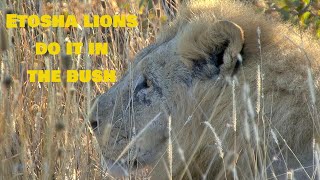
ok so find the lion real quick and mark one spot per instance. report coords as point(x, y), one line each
point(223, 93)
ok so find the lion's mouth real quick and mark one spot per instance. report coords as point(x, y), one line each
point(123, 169)
point(145, 149)
point(116, 169)
point(127, 166)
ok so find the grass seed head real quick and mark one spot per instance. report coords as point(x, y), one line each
point(4, 44)
point(66, 61)
point(7, 81)
point(60, 126)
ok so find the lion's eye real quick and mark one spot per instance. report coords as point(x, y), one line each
point(147, 83)
point(144, 84)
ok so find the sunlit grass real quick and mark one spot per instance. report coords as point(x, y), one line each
point(44, 127)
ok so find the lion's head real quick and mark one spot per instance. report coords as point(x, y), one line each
point(182, 81)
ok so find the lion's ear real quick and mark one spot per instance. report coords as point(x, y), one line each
point(211, 49)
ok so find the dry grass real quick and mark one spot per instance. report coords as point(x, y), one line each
point(44, 129)
point(44, 132)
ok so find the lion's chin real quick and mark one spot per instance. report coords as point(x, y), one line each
point(116, 169)
point(141, 162)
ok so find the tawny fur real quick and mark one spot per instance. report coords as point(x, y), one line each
point(286, 105)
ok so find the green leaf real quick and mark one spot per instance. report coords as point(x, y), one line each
point(141, 3)
point(285, 13)
point(317, 22)
point(281, 3)
point(296, 3)
point(306, 1)
point(304, 18)
point(318, 33)
point(150, 4)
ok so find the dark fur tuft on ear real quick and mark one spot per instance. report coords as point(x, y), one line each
point(217, 44)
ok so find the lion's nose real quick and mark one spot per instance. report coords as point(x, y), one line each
point(93, 120)
point(93, 123)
